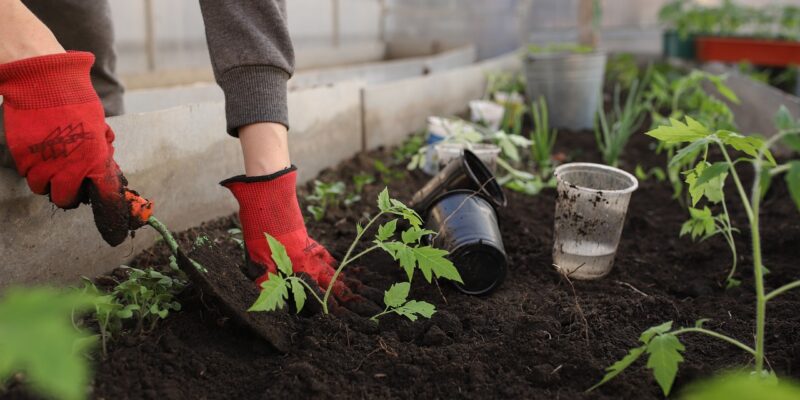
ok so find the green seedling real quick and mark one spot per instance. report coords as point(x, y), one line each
point(152, 295)
point(504, 82)
point(409, 251)
point(409, 148)
point(387, 174)
point(656, 173)
point(362, 180)
point(109, 312)
point(661, 343)
point(38, 341)
point(622, 68)
point(328, 195)
point(396, 300)
point(236, 237)
point(612, 132)
point(543, 139)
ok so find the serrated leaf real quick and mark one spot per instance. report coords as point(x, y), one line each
point(712, 172)
point(359, 229)
point(679, 132)
point(414, 308)
point(386, 230)
point(793, 182)
point(619, 366)
point(298, 293)
point(403, 254)
point(430, 259)
point(384, 204)
point(665, 355)
point(273, 294)
point(655, 330)
point(414, 234)
point(397, 294)
point(279, 255)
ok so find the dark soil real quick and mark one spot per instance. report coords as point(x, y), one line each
point(532, 338)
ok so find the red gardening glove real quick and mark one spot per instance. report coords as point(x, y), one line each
point(58, 137)
point(268, 204)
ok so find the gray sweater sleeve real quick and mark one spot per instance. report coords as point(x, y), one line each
point(252, 57)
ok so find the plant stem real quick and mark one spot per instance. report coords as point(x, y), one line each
point(718, 336)
point(170, 240)
point(310, 290)
point(781, 290)
point(728, 234)
point(380, 314)
point(346, 260)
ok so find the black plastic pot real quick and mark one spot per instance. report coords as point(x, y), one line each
point(465, 173)
point(467, 228)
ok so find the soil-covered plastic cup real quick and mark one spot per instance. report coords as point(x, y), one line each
point(487, 112)
point(590, 212)
point(466, 226)
point(448, 151)
point(468, 173)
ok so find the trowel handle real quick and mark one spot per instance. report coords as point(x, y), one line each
point(141, 208)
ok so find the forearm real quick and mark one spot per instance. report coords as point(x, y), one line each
point(252, 57)
point(23, 35)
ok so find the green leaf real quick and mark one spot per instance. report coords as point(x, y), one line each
point(689, 152)
point(279, 255)
point(679, 132)
point(793, 182)
point(386, 230)
point(665, 355)
point(384, 204)
point(37, 337)
point(712, 172)
point(414, 234)
point(765, 182)
point(397, 294)
point(743, 386)
point(298, 293)
point(431, 259)
point(619, 366)
point(749, 145)
point(413, 309)
point(655, 330)
point(403, 254)
point(273, 294)
point(784, 120)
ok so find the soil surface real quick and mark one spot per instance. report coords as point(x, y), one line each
point(538, 336)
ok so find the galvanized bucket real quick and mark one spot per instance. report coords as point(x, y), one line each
point(571, 83)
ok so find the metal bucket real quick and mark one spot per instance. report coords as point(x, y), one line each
point(571, 83)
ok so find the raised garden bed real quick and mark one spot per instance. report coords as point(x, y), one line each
point(538, 336)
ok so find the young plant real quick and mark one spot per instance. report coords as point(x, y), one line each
point(362, 180)
point(613, 132)
point(396, 300)
point(109, 313)
point(38, 340)
point(327, 195)
point(661, 343)
point(387, 174)
point(149, 295)
point(409, 251)
point(542, 138)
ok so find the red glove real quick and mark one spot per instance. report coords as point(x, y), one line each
point(58, 137)
point(268, 204)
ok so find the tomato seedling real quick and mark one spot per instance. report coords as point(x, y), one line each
point(409, 251)
point(661, 342)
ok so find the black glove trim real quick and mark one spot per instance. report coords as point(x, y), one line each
point(261, 178)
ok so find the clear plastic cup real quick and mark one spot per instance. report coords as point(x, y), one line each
point(446, 152)
point(590, 212)
point(487, 112)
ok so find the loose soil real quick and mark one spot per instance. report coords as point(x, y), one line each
point(535, 337)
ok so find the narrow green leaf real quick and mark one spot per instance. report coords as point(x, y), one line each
point(298, 293)
point(665, 355)
point(279, 255)
point(397, 294)
point(386, 230)
point(793, 182)
point(273, 294)
point(619, 366)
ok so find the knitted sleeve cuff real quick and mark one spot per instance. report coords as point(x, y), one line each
point(254, 93)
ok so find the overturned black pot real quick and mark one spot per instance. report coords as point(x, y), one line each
point(466, 226)
point(468, 173)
